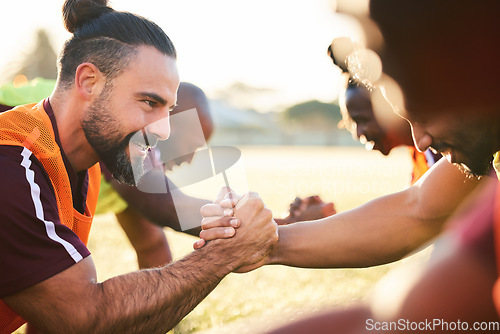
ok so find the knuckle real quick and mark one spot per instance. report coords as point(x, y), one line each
point(255, 203)
point(276, 235)
point(268, 214)
point(204, 234)
point(208, 210)
point(223, 221)
point(205, 221)
point(265, 217)
point(273, 231)
point(275, 239)
point(203, 210)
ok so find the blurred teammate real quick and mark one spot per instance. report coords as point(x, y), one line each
point(423, 45)
point(383, 131)
point(427, 43)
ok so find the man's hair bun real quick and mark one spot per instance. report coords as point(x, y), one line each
point(78, 12)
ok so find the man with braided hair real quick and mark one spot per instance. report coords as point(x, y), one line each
point(117, 77)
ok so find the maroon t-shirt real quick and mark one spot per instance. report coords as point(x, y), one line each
point(34, 244)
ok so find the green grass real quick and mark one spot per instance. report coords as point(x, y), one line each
point(275, 294)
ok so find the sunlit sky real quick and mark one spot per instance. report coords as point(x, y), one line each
point(276, 44)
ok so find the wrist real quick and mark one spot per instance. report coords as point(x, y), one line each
point(219, 252)
point(274, 256)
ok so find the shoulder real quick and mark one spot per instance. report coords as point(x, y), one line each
point(190, 96)
point(34, 245)
point(191, 90)
point(20, 167)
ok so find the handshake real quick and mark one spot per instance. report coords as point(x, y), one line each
point(246, 226)
point(242, 226)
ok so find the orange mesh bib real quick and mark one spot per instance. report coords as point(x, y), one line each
point(420, 165)
point(30, 127)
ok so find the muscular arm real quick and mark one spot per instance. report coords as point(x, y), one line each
point(381, 231)
point(455, 285)
point(160, 209)
point(148, 301)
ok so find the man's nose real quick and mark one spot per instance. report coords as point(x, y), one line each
point(421, 138)
point(160, 128)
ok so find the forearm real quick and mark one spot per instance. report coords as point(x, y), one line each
point(157, 208)
point(171, 292)
point(154, 301)
point(372, 234)
point(381, 231)
point(162, 210)
point(147, 301)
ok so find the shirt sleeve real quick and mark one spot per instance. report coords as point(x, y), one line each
point(34, 244)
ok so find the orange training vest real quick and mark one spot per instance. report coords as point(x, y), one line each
point(29, 126)
point(420, 165)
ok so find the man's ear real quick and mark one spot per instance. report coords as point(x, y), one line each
point(89, 81)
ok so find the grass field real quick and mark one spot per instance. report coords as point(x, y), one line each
point(275, 294)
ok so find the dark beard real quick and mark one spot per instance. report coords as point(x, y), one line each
point(477, 170)
point(118, 163)
point(102, 133)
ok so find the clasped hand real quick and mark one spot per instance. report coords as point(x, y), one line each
point(242, 217)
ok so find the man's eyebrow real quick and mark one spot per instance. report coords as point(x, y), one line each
point(153, 96)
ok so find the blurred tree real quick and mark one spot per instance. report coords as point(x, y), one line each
point(313, 115)
point(41, 61)
point(242, 95)
point(313, 118)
